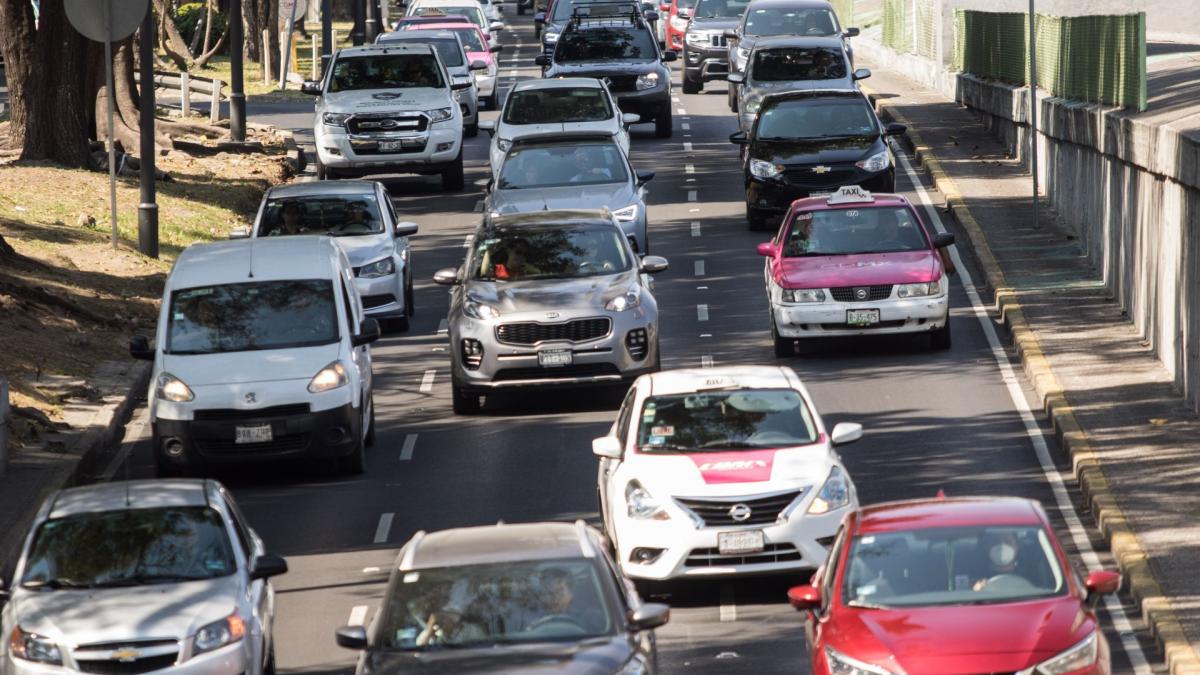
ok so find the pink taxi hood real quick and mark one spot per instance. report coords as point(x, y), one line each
point(904, 267)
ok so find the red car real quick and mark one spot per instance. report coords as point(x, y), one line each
point(677, 14)
point(952, 586)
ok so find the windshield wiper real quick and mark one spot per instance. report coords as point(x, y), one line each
point(54, 584)
point(732, 445)
point(146, 579)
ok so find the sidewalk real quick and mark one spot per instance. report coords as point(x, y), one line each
point(1130, 437)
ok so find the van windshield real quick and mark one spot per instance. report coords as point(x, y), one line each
point(252, 316)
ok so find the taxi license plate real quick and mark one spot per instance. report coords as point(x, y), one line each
point(732, 543)
point(390, 146)
point(256, 434)
point(553, 358)
point(862, 317)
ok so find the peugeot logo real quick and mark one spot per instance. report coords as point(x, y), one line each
point(739, 512)
point(251, 398)
point(860, 293)
point(126, 655)
point(821, 169)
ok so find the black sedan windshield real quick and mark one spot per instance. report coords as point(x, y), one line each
point(252, 316)
point(786, 21)
point(605, 44)
point(543, 166)
point(884, 229)
point(725, 420)
point(386, 71)
point(792, 64)
point(549, 253)
point(807, 118)
point(338, 216)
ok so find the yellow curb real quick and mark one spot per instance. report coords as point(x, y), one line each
point(1157, 608)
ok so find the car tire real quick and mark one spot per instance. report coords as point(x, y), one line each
point(355, 463)
point(690, 87)
point(464, 403)
point(940, 338)
point(733, 103)
point(369, 438)
point(322, 172)
point(452, 176)
point(754, 221)
point(471, 130)
point(784, 347)
point(409, 308)
point(663, 124)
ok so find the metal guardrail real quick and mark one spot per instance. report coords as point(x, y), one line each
point(187, 85)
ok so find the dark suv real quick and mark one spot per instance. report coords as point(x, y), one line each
point(615, 41)
point(705, 46)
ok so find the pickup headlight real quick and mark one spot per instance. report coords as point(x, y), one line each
point(440, 114)
point(640, 505)
point(765, 169)
point(328, 378)
point(503, 144)
point(834, 494)
point(803, 295)
point(696, 38)
point(33, 647)
point(876, 162)
point(1078, 657)
point(380, 268)
point(647, 81)
point(550, 38)
point(627, 214)
point(921, 290)
point(218, 634)
point(840, 664)
point(629, 300)
point(173, 389)
point(335, 119)
point(478, 310)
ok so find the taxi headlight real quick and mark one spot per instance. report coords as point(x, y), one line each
point(921, 290)
point(647, 81)
point(440, 114)
point(840, 664)
point(834, 494)
point(640, 505)
point(765, 169)
point(33, 647)
point(478, 310)
point(380, 268)
point(173, 389)
point(1076, 658)
point(328, 378)
point(803, 295)
point(218, 634)
point(876, 162)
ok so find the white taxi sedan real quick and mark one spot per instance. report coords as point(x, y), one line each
point(722, 471)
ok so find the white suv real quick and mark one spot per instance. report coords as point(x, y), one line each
point(389, 109)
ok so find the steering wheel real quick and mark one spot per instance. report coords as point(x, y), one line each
point(557, 618)
point(1008, 580)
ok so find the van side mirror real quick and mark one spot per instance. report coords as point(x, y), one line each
point(368, 332)
point(311, 87)
point(352, 637)
point(267, 566)
point(406, 228)
point(139, 348)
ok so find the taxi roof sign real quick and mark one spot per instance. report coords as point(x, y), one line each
point(850, 194)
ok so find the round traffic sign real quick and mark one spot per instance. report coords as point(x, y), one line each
point(285, 11)
point(106, 20)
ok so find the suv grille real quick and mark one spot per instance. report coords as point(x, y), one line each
point(579, 370)
point(854, 293)
point(531, 333)
point(719, 40)
point(375, 123)
point(230, 414)
point(763, 510)
point(771, 553)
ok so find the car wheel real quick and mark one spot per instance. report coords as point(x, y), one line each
point(464, 403)
point(354, 463)
point(471, 130)
point(322, 172)
point(452, 176)
point(663, 123)
point(784, 347)
point(409, 308)
point(733, 103)
point(369, 439)
point(940, 338)
point(690, 87)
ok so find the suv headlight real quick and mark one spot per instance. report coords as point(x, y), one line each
point(840, 664)
point(550, 38)
point(478, 310)
point(440, 114)
point(834, 494)
point(696, 38)
point(627, 214)
point(647, 81)
point(876, 162)
point(803, 295)
point(173, 389)
point(1078, 657)
point(641, 506)
point(328, 378)
point(921, 290)
point(218, 634)
point(380, 268)
point(335, 119)
point(752, 105)
point(765, 169)
point(629, 300)
point(33, 647)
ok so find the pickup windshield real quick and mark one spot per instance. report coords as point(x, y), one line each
point(606, 44)
point(386, 71)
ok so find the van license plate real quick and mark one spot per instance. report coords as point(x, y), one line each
point(862, 317)
point(732, 543)
point(390, 146)
point(553, 358)
point(256, 434)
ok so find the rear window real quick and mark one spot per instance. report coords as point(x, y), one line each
point(448, 48)
point(548, 106)
point(786, 65)
point(252, 317)
point(386, 71)
point(606, 44)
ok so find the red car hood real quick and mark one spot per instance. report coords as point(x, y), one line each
point(905, 267)
point(952, 640)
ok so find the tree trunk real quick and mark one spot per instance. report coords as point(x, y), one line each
point(252, 24)
point(175, 46)
point(196, 35)
point(202, 60)
point(208, 22)
point(127, 97)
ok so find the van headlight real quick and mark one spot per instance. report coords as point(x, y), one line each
point(876, 162)
point(765, 169)
point(629, 300)
point(834, 494)
point(647, 81)
point(380, 268)
point(1082, 655)
point(173, 389)
point(478, 310)
point(33, 647)
point(641, 506)
point(440, 114)
point(218, 634)
point(328, 378)
point(920, 290)
point(803, 295)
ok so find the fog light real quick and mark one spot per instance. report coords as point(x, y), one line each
point(337, 435)
point(334, 151)
point(442, 147)
point(638, 343)
point(472, 353)
point(173, 448)
point(645, 556)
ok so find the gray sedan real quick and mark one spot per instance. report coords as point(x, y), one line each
point(585, 170)
point(553, 298)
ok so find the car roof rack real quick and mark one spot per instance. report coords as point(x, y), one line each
point(616, 12)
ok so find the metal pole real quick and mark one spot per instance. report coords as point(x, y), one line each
point(1033, 106)
point(287, 48)
point(326, 33)
point(356, 32)
point(372, 23)
point(4, 413)
point(112, 149)
point(237, 90)
point(148, 207)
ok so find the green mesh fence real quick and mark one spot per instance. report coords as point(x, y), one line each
point(926, 29)
point(910, 27)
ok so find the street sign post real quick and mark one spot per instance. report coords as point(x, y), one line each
point(290, 9)
point(108, 21)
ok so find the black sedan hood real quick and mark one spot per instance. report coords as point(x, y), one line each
point(593, 657)
point(602, 68)
point(817, 150)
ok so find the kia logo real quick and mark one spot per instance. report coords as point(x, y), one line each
point(739, 512)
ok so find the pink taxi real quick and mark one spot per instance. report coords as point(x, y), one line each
point(476, 44)
point(854, 263)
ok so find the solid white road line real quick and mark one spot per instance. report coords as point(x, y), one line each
point(406, 451)
point(706, 361)
point(427, 381)
point(699, 268)
point(702, 312)
point(358, 615)
point(1062, 498)
point(695, 228)
point(443, 327)
point(383, 528)
point(132, 434)
point(728, 607)
point(691, 195)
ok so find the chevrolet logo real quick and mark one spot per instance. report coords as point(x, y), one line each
point(126, 655)
point(821, 169)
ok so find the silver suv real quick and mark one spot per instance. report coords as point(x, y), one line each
point(553, 298)
point(140, 576)
point(389, 109)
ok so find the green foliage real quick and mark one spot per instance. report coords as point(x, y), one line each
point(190, 16)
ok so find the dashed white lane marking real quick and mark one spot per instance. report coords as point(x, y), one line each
point(443, 327)
point(358, 615)
point(371, 570)
point(406, 450)
point(685, 126)
point(693, 210)
point(675, 99)
point(695, 228)
point(702, 312)
point(706, 361)
point(681, 111)
point(706, 335)
point(699, 268)
point(427, 381)
point(384, 528)
point(467, 241)
point(687, 135)
point(1079, 536)
point(728, 608)
point(689, 168)
point(691, 195)
point(478, 205)
point(689, 180)
point(687, 146)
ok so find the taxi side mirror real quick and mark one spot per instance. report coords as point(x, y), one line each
point(846, 432)
point(943, 240)
point(767, 249)
point(607, 447)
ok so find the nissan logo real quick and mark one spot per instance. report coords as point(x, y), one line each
point(739, 512)
point(860, 293)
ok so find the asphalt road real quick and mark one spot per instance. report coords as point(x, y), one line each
point(934, 420)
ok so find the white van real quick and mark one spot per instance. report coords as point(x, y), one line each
point(261, 352)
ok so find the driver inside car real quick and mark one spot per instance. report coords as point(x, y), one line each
point(561, 615)
point(1000, 550)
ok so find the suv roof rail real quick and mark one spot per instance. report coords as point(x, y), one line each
point(617, 10)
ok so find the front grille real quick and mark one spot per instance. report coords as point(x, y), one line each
point(850, 293)
point(382, 123)
point(719, 40)
point(98, 657)
point(532, 332)
point(763, 510)
point(845, 326)
point(771, 553)
point(111, 667)
point(581, 370)
point(623, 82)
point(372, 148)
point(281, 444)
point(232, 415)
point(806, 175)
point(373, 301)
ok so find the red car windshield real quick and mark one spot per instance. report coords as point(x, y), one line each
point(951, 566)
point(881, 229)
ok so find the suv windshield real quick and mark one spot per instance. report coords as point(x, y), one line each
point(485, 605)
point(448, 48)
point(786, 21)
point(558, 165)
point(719, 421)
point(549, 253)
point(884, 229)
point(385, 71)
point(791, 64)
point(129, 548)
point(252, 316)
point(951, 566)
point(338, 216)
point(792, 119)
point(720, 9)
point(563, 105)
point(606, 44)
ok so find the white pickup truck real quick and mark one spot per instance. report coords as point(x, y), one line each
point(388, 109)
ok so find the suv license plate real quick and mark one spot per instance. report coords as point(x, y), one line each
point(553, 358)
point(256, 434)
point(390, 146)
point(732, 543)
point(862, 317)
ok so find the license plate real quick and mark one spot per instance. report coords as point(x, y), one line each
point(389, 146)
point(256, 434)
point(732, 543)
point(862, 317)
point(553, 358)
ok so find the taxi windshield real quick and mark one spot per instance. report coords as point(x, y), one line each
point(806, 118)
point(719, 421)
point(951, 566)
point(882, 229)
point(769, 21)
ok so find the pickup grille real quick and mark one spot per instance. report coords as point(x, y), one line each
point(531, 333)
point(380, 123)
point(719, 40)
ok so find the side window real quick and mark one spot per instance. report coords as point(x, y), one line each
point(829, 574)
point(626, 415)
point(239, 527)
point(350, 328)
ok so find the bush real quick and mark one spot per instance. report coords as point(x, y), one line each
point(190, 16)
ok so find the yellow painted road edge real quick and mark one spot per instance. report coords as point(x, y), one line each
point(1156, 607)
